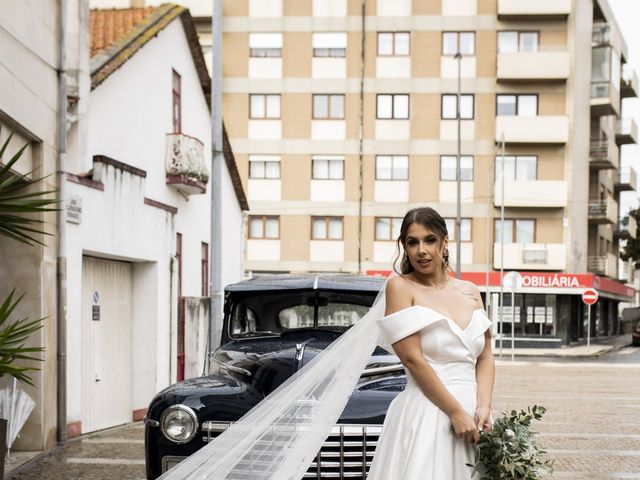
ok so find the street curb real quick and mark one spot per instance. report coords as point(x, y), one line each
point(612, 349)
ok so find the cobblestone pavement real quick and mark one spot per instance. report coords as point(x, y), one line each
point(591, 429)
point(592, 424)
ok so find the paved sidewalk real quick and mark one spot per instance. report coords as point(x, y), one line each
point(598, 347)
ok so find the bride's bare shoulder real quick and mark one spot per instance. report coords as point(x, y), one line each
point(470, 290)
point(398, 295)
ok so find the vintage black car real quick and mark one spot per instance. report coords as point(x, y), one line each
point(273, 325)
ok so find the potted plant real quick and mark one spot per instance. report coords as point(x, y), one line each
point(21, 205)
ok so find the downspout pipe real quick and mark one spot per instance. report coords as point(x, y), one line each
point(61, 279)
point(361, 134)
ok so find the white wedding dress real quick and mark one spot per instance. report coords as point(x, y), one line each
point(417, 442)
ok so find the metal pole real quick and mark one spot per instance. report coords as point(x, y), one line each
point(215, 257)
point(513, 321)
point(488, 240)
point(588, 325)
point(458, 173)
point(501, 240)
point(61, 278)
point(361, 136)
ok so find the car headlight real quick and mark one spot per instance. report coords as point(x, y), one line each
point(179, 423)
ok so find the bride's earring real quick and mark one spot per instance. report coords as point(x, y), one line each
point(445, 258)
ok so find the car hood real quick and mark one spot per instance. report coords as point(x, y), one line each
point(250, 369)
point(266, 363)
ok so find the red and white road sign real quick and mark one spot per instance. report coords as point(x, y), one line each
point(589, 296)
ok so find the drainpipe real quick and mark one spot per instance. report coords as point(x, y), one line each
point(215, 260)
point(61, 279)
point(361, 138)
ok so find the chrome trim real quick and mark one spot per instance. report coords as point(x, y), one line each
point(232, 368)
point(300, 351)
point(149, 422)
point(368, 372)
point(171, 458)
point(189, 411)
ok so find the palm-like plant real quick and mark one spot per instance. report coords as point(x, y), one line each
point(19, 201)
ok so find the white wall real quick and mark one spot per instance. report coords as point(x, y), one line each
point(129, 117)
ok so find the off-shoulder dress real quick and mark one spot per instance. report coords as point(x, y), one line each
point(416, 442)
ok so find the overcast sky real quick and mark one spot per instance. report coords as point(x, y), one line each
point(627, 13)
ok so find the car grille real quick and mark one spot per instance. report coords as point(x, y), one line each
point(346, 453)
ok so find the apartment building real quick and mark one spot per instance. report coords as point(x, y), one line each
point(342, 115)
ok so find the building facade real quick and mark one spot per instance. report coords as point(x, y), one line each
point(343, 116)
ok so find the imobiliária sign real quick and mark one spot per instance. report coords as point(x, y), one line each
point(550, 281)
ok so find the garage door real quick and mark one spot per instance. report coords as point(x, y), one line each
point(106, 343)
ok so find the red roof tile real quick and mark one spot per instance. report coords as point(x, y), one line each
point(106, 27)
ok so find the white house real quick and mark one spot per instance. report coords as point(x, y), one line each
point(137, 217)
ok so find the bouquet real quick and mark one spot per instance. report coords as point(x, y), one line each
point(509, 451)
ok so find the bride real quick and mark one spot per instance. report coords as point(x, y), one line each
point(436, 326)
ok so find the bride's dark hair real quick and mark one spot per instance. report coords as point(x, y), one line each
point(428, 218)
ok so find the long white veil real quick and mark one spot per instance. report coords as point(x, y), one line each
point(279, 438)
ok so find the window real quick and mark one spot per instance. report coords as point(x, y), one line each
point(512, 42)
point(521, 105)
point(449, 103)
point(448, 168)
point(515, 231)
point(262, 227)
point(177, 104)
point(264, 166)
point(204, 268)
point(327, 168)
point(328, 106)
point(392, 106)
point(454, 42)
point(326, 228)
point(517, 167)
point(392, 167)
point(393, 44)
point(465, 229)
point(388, 228)
point(329, 45)
point(264, 106)
point(265, 45)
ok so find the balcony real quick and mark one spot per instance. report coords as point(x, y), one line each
point(533, 9)
point(626, 180)
point(626, 228)
point(629, 84)
point(605, 211)
point(533, 66)
point(544, 129)
point(186, 168)
point(600, 156)
point(605, 99)
point(606, 265)
point(626, 131)
point(531, 193)
point(531, 256)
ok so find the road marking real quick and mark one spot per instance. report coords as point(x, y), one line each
point(113, 440)
point(611, 453)
point(589, 435)
point(580, 475)
point(105, 461)
point(565, 364)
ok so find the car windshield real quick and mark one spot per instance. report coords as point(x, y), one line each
point(272, 313)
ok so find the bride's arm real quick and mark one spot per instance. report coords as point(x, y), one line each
point(409, 350)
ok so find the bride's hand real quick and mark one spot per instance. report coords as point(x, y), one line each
point(464, 426)
point(483, 419)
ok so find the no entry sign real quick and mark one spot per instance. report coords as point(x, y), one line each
point(589, 296)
